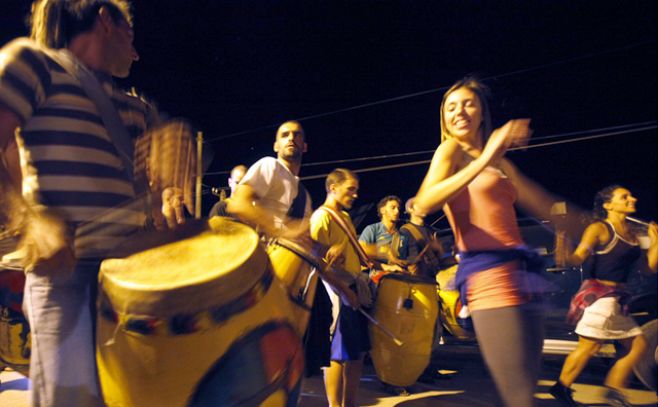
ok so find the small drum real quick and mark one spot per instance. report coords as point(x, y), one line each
point(295, 264)
point(14, 328)
point(451, 305)
point(197, 322)
point(407, 306)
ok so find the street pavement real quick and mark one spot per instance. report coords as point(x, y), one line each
point(466, 383)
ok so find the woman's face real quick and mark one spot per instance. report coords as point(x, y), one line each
point(621, 202)
point(462, 114)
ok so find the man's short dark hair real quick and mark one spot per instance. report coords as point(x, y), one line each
point(382, 202)
point(54, 23)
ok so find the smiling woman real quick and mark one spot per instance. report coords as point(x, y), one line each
point(477, 189)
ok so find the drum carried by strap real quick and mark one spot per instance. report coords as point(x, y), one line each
point(295, 264)
point(14, 329)
point(201, 321)
point(407, 306)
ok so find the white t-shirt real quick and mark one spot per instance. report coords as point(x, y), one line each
point(276, 188)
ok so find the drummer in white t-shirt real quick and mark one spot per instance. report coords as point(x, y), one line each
point(265, 197)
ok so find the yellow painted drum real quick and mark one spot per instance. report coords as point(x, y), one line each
point(15, 345)
point(408, 306)
point(295, 264)
point(451, 305)
point(198, 322)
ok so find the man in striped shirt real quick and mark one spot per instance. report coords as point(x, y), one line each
point(75, 187)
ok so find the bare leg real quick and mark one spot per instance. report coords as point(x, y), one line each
point(333, 383)
point(618, 376)
point(351, 378)
point(577, 359)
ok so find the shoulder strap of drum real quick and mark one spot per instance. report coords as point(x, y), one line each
point(363, 257)
point(415, 232)
point(108, 112)
point(298, 206)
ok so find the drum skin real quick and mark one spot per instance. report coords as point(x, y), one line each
point(293, 264)
point(407, 306)
point(174, 318)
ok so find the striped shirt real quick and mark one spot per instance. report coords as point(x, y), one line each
point(69, 162)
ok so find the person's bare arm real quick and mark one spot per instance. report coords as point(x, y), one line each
point(44, 236)
point(244, 204)
point(595, 234)
point(652, 252)
point(536, 201)
point(444, 179)
point(12, 201)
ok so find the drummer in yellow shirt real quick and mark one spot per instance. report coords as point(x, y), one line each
point(330, 225)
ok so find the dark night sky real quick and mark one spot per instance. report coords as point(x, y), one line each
point(244, 66)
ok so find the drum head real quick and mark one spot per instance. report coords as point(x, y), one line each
point(188, 275)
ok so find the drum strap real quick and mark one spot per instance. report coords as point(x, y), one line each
point(116, 130)
point(298, 206)
point(423, 241)
point(363, 257)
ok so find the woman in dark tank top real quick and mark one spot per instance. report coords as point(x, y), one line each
point(613, 252)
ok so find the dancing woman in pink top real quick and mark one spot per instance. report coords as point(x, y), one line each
point(477, 188)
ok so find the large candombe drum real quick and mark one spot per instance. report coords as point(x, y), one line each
point(407, 306)
point(197, 322)
point(295, 264)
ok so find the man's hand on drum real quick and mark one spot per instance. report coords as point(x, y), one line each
point(334, 256)
point(166, 155)
point(172, 207)
point(395, 261)
point(46, 245)
point(392, 268)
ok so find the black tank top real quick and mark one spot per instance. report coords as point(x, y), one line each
point(615, 260)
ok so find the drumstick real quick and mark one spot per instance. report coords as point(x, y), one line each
point(382, 327)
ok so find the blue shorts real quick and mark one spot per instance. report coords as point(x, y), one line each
point(350, 338)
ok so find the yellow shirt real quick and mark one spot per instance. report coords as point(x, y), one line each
point(327, 232)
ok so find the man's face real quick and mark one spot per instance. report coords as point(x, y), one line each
point(236, 176)
point(289, 144)
point(120, 50)
point(391, 211)
point(345, 192)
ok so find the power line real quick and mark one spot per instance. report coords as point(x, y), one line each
point(435, 90)
point(551, 143)
point(398, 155)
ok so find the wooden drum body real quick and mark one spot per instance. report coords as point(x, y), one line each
point(295, 265)
point(408, 306)
point(202, 321)
point(451, 305)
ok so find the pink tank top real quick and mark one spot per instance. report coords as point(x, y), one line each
point(482, 215)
